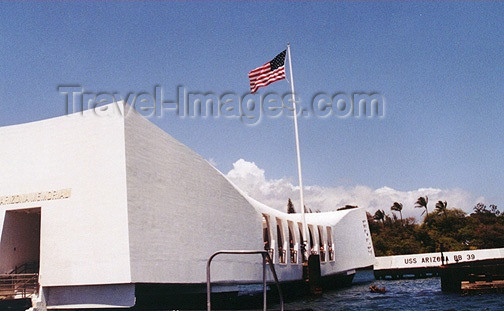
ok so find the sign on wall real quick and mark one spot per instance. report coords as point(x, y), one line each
point(36, 196)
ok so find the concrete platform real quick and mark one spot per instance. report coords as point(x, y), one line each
point(478, 276)
point(428, 264)
point(480, 287)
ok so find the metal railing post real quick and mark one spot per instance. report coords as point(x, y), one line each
point(266, 259)
point(264, 281)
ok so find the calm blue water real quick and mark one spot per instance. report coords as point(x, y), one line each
point(421, 294)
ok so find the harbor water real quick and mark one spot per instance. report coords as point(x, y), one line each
point(406, 294)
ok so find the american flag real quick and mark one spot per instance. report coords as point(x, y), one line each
point(268, 73)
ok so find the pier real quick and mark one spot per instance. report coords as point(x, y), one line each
point(473, 277)
point(428, 264)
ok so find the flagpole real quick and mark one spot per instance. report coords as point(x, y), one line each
point(301, 196)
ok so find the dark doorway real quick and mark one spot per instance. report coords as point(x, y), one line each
point(20, 241)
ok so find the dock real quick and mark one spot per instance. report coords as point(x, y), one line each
point(474, 277)
point(481, 287)
point(428, 264)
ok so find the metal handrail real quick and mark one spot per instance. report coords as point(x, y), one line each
point(28, 267)
point(18, 284)
point(266, 258)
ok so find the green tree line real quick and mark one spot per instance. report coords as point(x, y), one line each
point(449, 228)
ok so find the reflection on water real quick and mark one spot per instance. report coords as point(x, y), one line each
point(410, 294)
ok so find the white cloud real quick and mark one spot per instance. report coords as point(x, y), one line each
point(275, 192)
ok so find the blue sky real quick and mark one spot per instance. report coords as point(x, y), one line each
point(439, 67)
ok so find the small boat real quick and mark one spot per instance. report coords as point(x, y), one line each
point(375, 289)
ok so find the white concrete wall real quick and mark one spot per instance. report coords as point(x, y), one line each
point(434, 259)
point(145, 208)
point(84, 237)
point(351, 244)
point(181, 210)
point(351, 237)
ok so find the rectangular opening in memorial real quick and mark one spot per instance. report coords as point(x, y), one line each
point(20, 241)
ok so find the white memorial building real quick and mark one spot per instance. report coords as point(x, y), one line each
point(103, 206)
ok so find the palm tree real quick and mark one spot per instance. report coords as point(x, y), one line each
point(398, 208)
point(290, 207)
point(422, 203)
point(442, 207)
point(494, 210)
point(480, 208)
point(379, 215)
